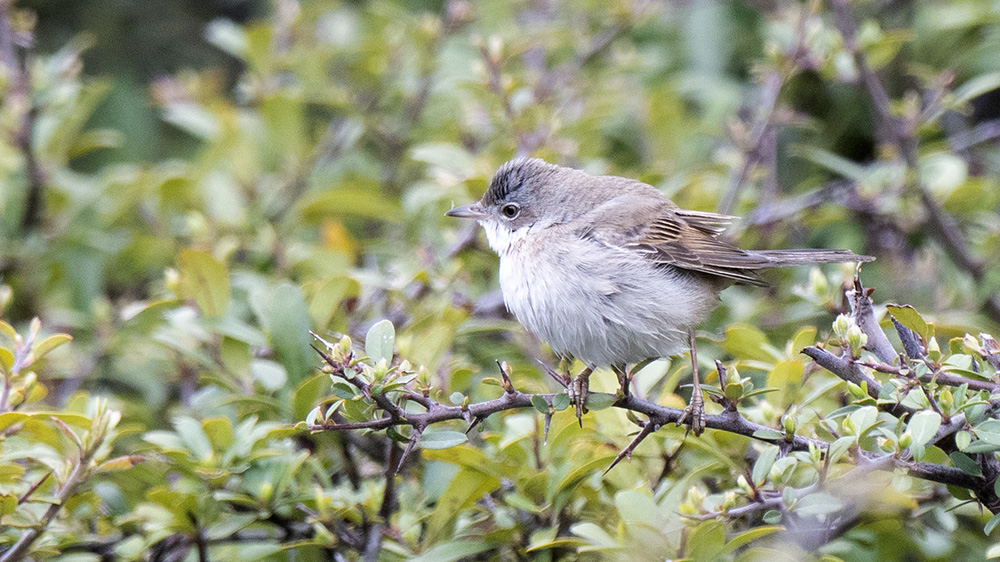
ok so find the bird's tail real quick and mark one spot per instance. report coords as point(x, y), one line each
point(782, 258)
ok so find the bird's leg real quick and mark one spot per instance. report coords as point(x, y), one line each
point(696, 409)
point(623, 379)
point(578, 390)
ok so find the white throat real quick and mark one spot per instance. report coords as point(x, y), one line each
point(501, 238)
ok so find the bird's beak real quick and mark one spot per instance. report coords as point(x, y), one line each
point(473, 211)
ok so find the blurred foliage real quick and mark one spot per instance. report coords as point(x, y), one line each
point(298, 182)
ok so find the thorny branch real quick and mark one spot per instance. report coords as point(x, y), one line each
point(848, 368)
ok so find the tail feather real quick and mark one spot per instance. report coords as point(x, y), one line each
point(804, 256)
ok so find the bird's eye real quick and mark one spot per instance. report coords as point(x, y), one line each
point(510, 210)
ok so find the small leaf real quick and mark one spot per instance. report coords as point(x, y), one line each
point(379, 341)
point(270, 375)
point(818, 504)
point(560, 402)
point(965, 463)
point(962, 440)
point(288, 323)
point(992, 524)
point(539, 403)
point(747, 342)
point(308, 393)
point(768, 434)
point(441, 439)
point(839, 447)
point(762, 467)
point(909, 317)
point(600, 401)
point(923, 425)
point(50, 343)
point(396, 436)
point(8, 330)
point(121, 463)
point(204, 279)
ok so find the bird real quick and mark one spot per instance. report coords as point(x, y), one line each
point(609, 271)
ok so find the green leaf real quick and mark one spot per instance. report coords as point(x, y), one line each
point(749, 536)
point(453, 550)
point(765, 461)
point(308, 393)
point(219, 430)
point(289, 325)
point(379, 341)
point(992, 524)
point(50, 343)
point(923, 426)
point(839, 447)
point(539, 403)
point(324, 303)
point(787, 377)
point(909, 317)
point(965, 463)
point(193, 436)
point(8, 331)
point(270, 375)
point(864, 419)
point(593, 534)
point(819, 503)
point(204, 279)
point(747, 342)
point(963, 439)
point(768, 434)
point(599, 401)
point(441, 439)
point(466, 487)
point(560, 402)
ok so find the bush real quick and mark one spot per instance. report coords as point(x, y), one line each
point(187, 417)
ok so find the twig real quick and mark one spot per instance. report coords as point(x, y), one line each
point(939, 376)
point(75, 478)
point(863, 311)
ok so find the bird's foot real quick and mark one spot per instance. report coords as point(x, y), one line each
point(694, 414)
point(578, 390)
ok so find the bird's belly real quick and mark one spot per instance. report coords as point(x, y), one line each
point(603, 305)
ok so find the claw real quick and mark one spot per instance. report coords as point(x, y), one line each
point(696, 412)
point(696, 409)
point(578, 391)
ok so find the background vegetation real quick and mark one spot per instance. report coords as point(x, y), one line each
point(188, 188)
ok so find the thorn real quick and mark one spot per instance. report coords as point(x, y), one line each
point(553, 374)
point(322, 354)
point(476, 420)
point(508, 386)
point(414, 438)
point(545, 433)
point(647, 430)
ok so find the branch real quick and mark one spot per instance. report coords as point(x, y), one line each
point(863, 311)
point(892, 130)
point(15, 54)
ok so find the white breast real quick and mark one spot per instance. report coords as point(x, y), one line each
point(601, 304)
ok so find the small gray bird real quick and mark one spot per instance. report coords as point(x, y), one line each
point(609, 271)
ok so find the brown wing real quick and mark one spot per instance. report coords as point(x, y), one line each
point(690, 240)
